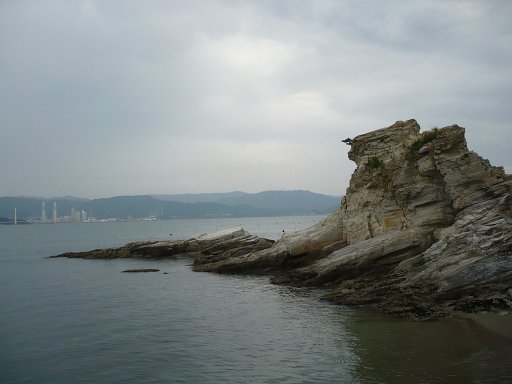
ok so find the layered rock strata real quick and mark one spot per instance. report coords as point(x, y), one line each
point(424, 229)
point(205, 248)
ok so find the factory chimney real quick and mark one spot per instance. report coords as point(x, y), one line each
point(43, 212)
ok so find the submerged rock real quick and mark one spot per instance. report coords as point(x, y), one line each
point(424, 229)
point(140, 270)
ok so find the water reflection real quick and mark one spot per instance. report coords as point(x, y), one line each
point(366, 347)
point(449, 351)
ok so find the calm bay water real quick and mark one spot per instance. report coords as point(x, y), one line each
point(82, 321)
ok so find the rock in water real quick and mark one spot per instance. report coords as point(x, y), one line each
point(204, 248)
point(141, 270)
point(425, 228)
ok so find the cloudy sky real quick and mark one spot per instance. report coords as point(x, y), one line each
point(103, 98)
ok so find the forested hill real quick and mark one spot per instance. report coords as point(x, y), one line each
point(233, 204)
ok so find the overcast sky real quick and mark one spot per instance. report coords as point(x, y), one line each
point(103, 98)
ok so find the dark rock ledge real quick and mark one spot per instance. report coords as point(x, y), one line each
point(424, 231)
point(138, 270)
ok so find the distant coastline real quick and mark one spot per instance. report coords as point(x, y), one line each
point(38, 210)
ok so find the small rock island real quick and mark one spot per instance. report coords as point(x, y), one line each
point(424, 231)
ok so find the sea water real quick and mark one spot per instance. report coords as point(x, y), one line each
point(83, 321)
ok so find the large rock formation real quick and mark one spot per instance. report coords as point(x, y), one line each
point(425, 228)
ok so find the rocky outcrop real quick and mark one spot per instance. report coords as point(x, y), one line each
point(291, 251)
point(204, 248)
point(424, 229)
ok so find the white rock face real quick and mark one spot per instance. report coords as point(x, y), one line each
point(326, 233)
point(293, 249)
point(397, 187)
point(475, 250)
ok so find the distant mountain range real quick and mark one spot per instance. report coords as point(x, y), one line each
point(201, 205)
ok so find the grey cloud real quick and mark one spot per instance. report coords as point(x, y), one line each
point(161, 96)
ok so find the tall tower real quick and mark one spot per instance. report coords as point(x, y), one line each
point(43, 213)
point(15, 216)
point(54, 212)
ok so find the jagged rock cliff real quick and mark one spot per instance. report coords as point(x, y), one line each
point(425, 227)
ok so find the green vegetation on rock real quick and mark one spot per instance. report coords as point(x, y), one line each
point(425, 138)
